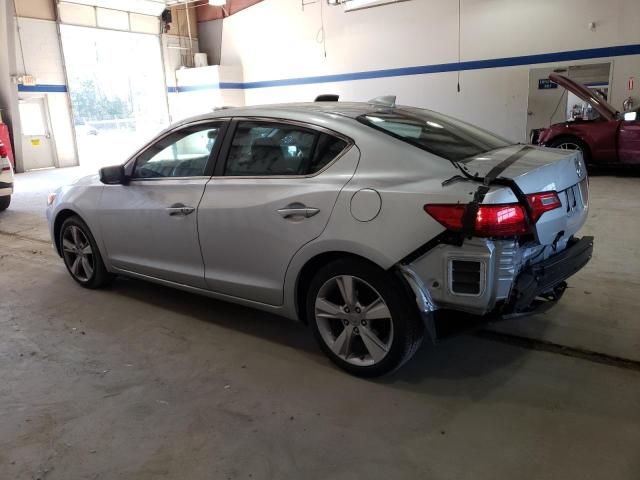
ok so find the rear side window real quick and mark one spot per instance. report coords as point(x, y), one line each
point(436, 133)
point(280, 149)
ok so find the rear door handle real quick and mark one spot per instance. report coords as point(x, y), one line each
point(296, 211)
point(179, 209)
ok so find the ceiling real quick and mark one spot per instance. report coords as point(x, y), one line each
point(146, 7)
point(204, 11)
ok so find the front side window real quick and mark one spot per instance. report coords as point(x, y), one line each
point(279, 149)
point(439, 134)
point(184, 153)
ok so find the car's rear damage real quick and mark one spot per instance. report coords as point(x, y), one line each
point(511, 249)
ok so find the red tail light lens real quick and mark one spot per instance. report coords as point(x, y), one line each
point(4, 161)
point(504, 220)
point(542, 202)
point(501, 220)
point(450, 216)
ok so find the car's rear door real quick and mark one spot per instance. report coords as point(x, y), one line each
point(273, 191)
point(149, 225)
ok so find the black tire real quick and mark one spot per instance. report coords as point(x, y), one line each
point(98, 276)
point(407, 328)
point(581, 146)
point(5, 202)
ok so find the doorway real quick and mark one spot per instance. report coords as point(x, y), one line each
point(117, 90)
point(37, 144)
point(549, 103)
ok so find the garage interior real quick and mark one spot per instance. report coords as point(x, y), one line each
point(140, 381)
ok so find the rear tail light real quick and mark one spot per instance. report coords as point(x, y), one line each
point(542, 202)
point(505, 220)
point(4, 161)
point(500, 220)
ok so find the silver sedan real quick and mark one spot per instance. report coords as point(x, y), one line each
point(366, 221)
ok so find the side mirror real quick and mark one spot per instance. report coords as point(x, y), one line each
point(113, 175)
point(630, 116)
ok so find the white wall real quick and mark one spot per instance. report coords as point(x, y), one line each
point(207, 94)
point(43, 60)
point(276, 39)
point(210, 37)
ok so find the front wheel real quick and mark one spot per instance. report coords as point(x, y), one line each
point(569, 143)
point(81, 255)
point(5, 202)
point(362, 318)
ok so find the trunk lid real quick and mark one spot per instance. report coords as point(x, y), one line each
point(534, 170)
point(605, 110)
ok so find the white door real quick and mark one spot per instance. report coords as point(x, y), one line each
point(37, 146)
point(547, 100)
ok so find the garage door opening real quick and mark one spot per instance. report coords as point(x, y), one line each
point(117, 90)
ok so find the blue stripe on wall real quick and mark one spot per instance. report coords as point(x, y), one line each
point(43, 88)
point(590, 53)
point(207, 86)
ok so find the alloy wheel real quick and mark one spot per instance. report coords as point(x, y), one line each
point(568, 146)
point(353, 320)
point(78, 254)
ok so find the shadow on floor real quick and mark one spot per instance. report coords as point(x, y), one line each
point(464, 356)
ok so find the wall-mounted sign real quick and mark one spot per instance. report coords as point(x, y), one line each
point(35, 142)
point(546, 84)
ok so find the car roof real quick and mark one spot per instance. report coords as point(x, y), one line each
point(344, 109)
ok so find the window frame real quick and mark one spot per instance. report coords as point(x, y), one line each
point(223, 123)
point(223, 157)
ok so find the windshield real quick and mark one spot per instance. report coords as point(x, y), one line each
point(436, 133)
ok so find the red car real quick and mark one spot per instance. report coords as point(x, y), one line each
point(611, 139)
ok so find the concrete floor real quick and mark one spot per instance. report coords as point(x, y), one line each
point(143, 382)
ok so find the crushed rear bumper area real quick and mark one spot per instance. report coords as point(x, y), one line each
point(532, 289)
point(542, 284)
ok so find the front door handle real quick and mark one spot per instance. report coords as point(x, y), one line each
point(298, 211)
point(178, 209)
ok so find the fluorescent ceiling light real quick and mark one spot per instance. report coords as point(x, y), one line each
point(218, 3)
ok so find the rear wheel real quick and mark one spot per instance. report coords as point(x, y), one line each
point(362, 318)
point(5, 202)
point(571, 143)
point(81, 255)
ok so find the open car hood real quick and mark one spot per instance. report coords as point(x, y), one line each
point(605, 110)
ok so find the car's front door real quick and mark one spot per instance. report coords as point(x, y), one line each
point(274, 193)
point(629, 141)
point(149, 225)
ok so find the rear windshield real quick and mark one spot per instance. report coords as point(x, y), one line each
point(436, 133)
